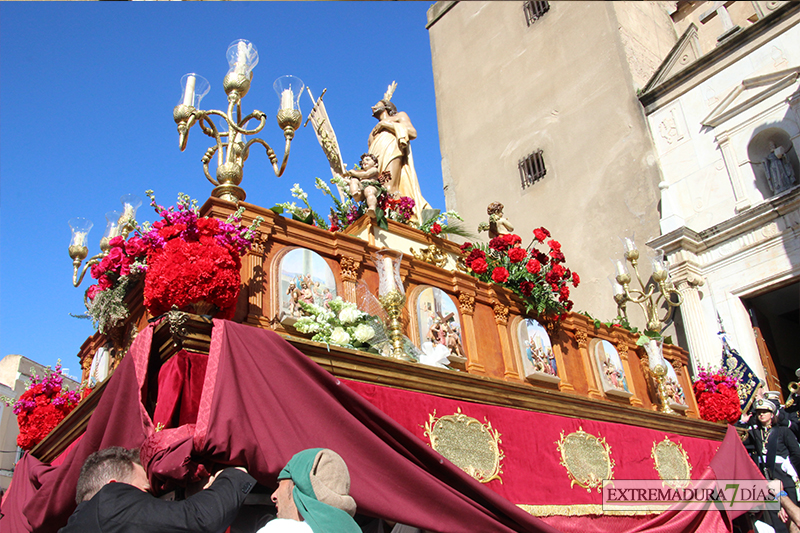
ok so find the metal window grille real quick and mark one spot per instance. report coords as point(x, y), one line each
point(534, 10)
point(531, 168)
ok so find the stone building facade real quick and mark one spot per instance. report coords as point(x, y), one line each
point(730, 208)
point(612, 97)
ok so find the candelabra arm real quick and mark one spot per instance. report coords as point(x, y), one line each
point(211, 129)
point(183, 131)
point(285, 157)
point(668, 292)
point(206, 159)
point(258, 115)
point(76, 264)
point(273, 158)
point(643, 296)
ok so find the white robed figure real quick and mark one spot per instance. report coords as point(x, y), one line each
point(389, 141)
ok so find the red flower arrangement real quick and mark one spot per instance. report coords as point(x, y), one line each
point(717, 396)
point(194, 260)
point(42, 406)
point(188, 262)
point(539, 278)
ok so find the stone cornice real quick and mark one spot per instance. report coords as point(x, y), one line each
point(756, 217)
point(722, 56)
point(437, 11)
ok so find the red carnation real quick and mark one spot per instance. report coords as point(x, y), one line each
point(533, 266)
point(499, 275)
point(473, 256)
point(557, 256)
point(541, 234)
point(526, 287)
point(479, 266)
point(184, 273)
point(499, 243)
point(575, 279)
point(517, 254)
point(466, 247)
point(512, 239)
point(554, 245)
point(436, 229)
point(558, 271)
point(564, 293)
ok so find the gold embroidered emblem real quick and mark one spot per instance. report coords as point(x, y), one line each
point(471, 446)
point(671, 462)
point(587, 459)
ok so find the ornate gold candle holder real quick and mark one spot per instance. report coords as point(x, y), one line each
point(392, 297)
point(393, 302)
point(658, 366)
point(236, 135)
point(660, 371)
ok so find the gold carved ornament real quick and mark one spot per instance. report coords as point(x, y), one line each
point(466, 303)
point(587, 459)
point(349, 268)
point(464, 441)
point(432, 254)
point(671, 463)
point(581, 338)
point(622, 350)
point(501, 314)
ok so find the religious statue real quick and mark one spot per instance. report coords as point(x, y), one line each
point(498, 224)
point(778, 168)
point(364, 183)
point(612, 373)
point(390, 142)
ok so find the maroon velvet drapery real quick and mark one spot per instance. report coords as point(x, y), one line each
point(269, 401)
point(261, 402)
point(42, 497)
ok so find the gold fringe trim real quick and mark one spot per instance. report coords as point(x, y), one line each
point(583, 510)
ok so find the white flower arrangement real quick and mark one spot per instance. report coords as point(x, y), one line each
point(342, 324)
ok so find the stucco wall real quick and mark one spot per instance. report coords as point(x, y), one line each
point(563, 85)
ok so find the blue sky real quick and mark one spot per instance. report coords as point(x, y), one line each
point(86, 97)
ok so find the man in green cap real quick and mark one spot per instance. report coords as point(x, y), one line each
point(313, 495)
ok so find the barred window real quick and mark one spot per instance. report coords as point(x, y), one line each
point(531, 168)
point(534, 10)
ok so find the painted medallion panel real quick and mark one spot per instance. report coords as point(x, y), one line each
point(305, 277)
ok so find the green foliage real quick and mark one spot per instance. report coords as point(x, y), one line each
point(108, 308)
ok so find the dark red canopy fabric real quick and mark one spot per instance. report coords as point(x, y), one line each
point(268, 401)
point(42, 497)
point(262, 401)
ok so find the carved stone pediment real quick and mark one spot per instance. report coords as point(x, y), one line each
point(685, 52)
point(749, 93)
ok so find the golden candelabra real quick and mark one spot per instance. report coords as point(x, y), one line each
point(231, 146)
point(118, 224)
point(648, 297)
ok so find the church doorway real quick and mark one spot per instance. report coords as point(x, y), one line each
point(775, 316)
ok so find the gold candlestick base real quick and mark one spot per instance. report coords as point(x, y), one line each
point(393, 303)
point(661, 378)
